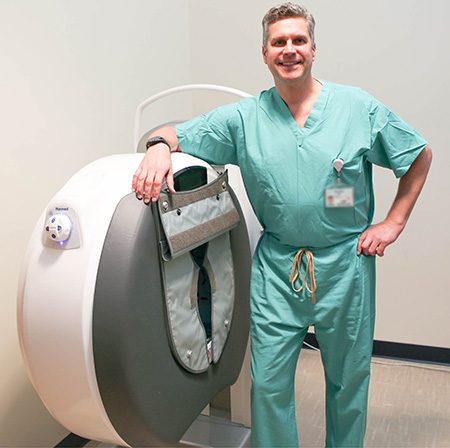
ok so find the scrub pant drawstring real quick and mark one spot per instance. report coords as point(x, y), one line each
point(295, 272)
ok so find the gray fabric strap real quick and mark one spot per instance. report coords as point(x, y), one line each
point(192, 218)
point(194, 287)
point(183, 198)
point(221, 264)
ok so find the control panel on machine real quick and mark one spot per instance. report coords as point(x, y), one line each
point(61, 228)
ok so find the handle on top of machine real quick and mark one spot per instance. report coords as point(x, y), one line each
point(158, 96)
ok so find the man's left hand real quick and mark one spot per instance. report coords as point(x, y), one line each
point(375, 239)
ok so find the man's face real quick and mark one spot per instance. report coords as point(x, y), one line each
point(289, 54)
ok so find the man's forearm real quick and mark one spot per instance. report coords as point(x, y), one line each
point(409, 188)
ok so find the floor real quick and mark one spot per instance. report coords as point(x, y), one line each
point(409, 404)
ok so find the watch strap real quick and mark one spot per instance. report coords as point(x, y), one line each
point(155, 140)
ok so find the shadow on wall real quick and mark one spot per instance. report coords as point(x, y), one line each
point(26, 419)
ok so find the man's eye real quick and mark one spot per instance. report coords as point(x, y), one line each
point(299, 41)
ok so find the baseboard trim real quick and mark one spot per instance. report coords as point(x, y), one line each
point(410, 352)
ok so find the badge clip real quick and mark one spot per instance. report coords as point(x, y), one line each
point(338, 164)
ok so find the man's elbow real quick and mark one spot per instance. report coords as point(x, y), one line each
point(427, 154)
point(423, 160)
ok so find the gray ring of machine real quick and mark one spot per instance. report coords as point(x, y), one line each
point(150, 399)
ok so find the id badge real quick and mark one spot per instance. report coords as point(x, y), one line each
point(339, 196)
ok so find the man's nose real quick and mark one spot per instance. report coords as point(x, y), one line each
point(289, 47)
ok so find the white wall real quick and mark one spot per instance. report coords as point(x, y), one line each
point(398, 51)
point(71, 77)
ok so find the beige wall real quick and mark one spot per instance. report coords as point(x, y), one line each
point(397, 51)
point(71, 77)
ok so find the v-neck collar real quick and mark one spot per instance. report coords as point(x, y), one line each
point(313, 117)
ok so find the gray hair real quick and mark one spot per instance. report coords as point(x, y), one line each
point(286, 11)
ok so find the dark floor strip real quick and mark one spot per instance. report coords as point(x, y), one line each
point(72, 441)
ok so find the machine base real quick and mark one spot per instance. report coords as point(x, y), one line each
point(216, 432)
point(206, 432)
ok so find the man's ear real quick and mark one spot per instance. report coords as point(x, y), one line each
point(264, 53)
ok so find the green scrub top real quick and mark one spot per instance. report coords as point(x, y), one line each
point(287, 169)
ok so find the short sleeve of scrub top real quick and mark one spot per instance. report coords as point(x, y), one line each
point(394, 143)
point(212, 136)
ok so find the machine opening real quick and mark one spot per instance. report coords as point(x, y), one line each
point(203, 288)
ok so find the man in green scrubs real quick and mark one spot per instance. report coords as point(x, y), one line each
point(305, 149)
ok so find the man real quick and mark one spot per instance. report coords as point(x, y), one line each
point(303, 147)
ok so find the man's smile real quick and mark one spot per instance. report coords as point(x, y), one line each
point(288, 64)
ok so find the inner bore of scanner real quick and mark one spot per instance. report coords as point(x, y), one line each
point(188, 179)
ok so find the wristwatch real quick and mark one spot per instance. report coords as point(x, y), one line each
point(155, 140)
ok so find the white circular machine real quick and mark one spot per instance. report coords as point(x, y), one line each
point(113, 296)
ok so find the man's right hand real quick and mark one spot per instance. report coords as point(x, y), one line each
point(148, 178)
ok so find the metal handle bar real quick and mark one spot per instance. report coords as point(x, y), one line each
point(164, 93)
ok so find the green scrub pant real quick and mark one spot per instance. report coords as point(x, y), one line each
point(343, 317)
